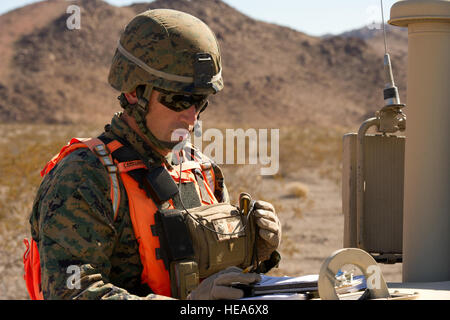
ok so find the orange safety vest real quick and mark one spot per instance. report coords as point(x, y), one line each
point(142, 210)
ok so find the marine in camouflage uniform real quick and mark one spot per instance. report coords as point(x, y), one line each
point(72, 219)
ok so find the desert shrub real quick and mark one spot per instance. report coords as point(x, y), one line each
point(298, 190)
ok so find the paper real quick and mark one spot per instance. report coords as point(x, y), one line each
point(269, 281)
point(283, 288)
point(286, 296)
point(296, 288)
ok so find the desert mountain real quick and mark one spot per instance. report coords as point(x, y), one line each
point(396, 38)
point(274, 76)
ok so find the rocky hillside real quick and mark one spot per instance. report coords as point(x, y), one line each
point(51, 74)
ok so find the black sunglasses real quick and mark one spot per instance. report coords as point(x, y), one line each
point(179, 102)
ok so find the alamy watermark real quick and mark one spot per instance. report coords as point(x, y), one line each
point(373, 277)
point(73, 22)
point(232, 147)
point(373, 281)
point(373, 14)
point(73, 281)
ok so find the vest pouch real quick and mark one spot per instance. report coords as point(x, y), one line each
point(221, 237)
point(183, 278)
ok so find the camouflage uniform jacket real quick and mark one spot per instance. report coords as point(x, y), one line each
point(72, 223)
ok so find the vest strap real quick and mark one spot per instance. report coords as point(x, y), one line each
point(104, 155)
point(201, 184)
point(131, 165)
point(208, 173)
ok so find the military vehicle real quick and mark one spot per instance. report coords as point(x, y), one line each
point(396, 189)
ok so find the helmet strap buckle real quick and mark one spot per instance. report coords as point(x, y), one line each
point(143, 93)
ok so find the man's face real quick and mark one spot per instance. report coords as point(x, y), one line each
point(169, 125)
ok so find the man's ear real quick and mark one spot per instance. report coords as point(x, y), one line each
point(131, 97)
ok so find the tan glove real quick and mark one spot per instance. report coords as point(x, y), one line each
point(218, 285)
point(269, 229)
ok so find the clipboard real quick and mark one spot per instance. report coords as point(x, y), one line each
point(281, 285)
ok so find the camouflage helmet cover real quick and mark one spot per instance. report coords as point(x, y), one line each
point(167, 49)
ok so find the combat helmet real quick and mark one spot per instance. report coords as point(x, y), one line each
point(169, 50)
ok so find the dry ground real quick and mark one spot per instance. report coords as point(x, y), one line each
point(305, 192)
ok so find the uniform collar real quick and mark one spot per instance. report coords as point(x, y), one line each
point(124, 132)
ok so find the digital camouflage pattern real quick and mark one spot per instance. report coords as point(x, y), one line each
point(167, 41)
point(72, 223)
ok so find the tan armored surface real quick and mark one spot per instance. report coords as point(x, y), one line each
point(411, 175)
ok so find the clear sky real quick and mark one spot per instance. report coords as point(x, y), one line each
point(309, 16)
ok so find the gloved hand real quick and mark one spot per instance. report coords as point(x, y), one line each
point(269, 229)
point(218, 285)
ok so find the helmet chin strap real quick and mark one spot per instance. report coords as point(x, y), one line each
point(139, 112)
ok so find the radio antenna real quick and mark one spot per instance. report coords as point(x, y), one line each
point(391, 96)
point(384, 29)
